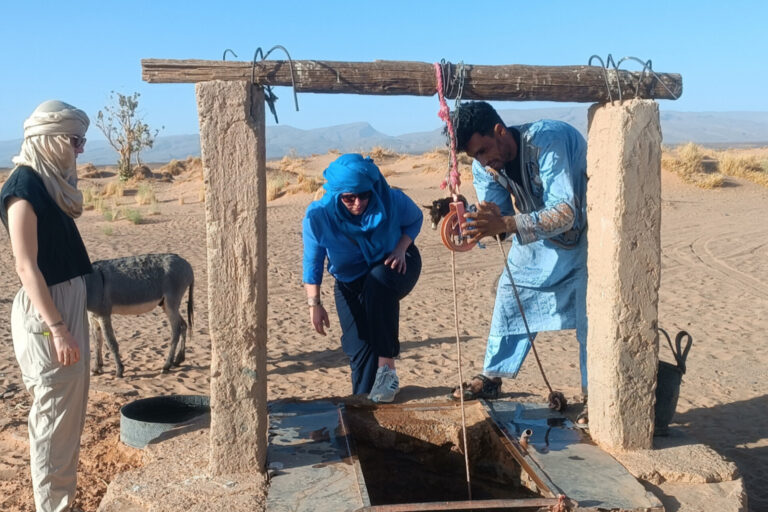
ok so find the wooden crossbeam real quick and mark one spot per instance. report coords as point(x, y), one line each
point(509, 82)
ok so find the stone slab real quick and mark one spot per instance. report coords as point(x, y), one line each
point(720, 497)
point(679, 458)
point(581, 470)
point(310, 462)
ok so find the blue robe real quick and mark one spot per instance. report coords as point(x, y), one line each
point(548, 258)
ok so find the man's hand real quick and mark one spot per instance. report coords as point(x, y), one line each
point(486, 221)
point(319, 318)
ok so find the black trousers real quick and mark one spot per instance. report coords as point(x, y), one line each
point(369, 315)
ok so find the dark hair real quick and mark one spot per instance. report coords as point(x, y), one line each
point(471, 118)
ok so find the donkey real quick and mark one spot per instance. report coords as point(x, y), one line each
point(136, 285)
point(440, 208)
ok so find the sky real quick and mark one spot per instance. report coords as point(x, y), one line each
point(81, 51)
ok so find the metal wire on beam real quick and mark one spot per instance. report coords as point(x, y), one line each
point(615, 66)
point(269, 96)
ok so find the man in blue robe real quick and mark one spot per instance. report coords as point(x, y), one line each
point(542, 166)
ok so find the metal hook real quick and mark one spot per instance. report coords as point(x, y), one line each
point(605, 75)
point(648, 66)
point(610, 62)
point(270, 96)
point(646, 71)
point(224, 56)
point(290, 64)
point(605, 65)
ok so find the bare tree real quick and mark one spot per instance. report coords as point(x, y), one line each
point(125, 131)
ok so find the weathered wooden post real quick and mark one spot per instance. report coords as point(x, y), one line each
point(624, 261)
point(234, 168)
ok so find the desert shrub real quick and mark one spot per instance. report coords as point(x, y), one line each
point(291, 163)
point(192, 166)
point(437, 154)
point(145, 194)
point(749, 168)
point(88, 195)
point(109, 214)
point(310, 185)
point(275, 185)
point(174, 167)
point(154, 208)
point(88, 171)
point(464, 159)
point(691, 164)
point(379, 153)
point(114, 188)
point(91, 196)
point(141, 172)
point(132, 215)
point(98, 204)
point(107, 230)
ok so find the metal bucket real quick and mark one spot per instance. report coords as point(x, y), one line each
point(669, 379)
point(145, 420)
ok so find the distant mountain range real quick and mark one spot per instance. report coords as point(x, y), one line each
point(705, 128)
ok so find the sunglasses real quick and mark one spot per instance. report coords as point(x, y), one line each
point(351, 198)
point(77, 142)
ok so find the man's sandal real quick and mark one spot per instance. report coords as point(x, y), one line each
point(582, 420)
point(490, 388)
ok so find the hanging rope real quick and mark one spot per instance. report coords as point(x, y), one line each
point(461, 377)
point(453, 181)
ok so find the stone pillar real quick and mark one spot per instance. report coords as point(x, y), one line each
point(234, 169)
point(624, 218)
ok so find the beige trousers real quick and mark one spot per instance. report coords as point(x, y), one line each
point(59, 393)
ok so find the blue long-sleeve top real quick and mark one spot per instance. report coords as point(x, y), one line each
point(556, 201)
point(346, 262)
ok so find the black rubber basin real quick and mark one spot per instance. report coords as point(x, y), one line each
point(142, 421)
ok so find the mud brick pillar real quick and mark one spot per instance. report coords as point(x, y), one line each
point(234, 168)
point(624, 218)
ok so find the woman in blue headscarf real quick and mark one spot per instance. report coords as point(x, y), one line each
point(366, 230)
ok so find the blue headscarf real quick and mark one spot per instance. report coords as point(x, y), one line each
point(377, 230)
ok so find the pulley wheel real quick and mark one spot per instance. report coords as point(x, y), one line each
point(450, 233)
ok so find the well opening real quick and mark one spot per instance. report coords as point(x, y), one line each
point(416, 455)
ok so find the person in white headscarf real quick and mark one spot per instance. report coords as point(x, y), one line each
point(38, 205)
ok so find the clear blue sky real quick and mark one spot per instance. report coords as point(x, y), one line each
point(80, 51)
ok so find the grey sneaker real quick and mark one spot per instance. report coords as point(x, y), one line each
point(386, 385)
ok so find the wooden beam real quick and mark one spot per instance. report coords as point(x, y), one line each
point(511, 82)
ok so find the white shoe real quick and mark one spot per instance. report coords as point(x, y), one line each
point(386, 385)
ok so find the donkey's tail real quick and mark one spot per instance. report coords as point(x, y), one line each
point(190, 307)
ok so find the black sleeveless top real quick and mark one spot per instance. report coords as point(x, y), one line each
point(61, 254)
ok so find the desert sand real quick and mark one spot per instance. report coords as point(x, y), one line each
point(714, 285)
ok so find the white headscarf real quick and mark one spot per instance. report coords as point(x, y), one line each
point(48, 150)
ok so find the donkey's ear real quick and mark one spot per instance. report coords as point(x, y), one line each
point(427, 206)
